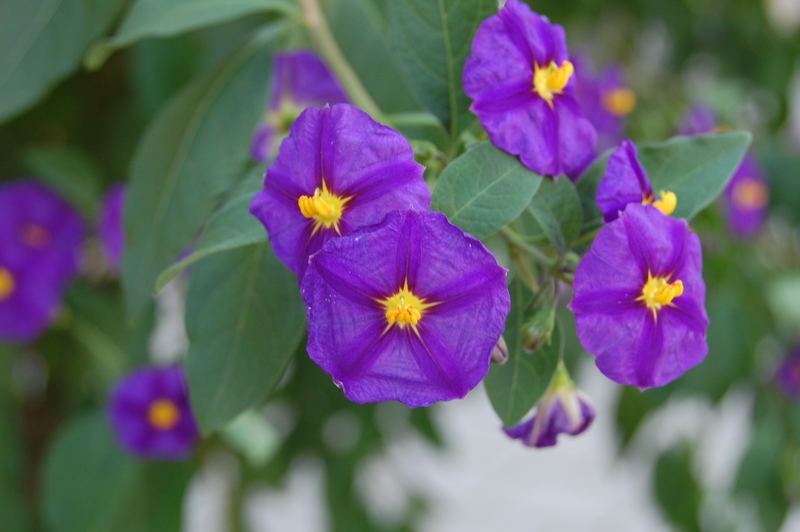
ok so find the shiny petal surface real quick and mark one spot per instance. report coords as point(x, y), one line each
point(624, 182)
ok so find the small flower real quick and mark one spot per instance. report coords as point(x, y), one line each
point(563, 409)
point(408, 310)
point(519, 78)
point(111, 230)
point(746, 198)
point(625, 182)
point(338, 170)
point(301, 79)
point(36, 225)
point(30, 295)
point(787, 377)
point(700, 119)
point(151, 416)
point(639, 298)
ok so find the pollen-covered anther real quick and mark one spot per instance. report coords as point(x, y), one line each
point(7, 283)
point(551, 79)
point(163, 414)
point(620, 101)
point(658, 291)
point(666, 203)
point(750, 194)
point(36, 236)
point(324, 207)
point(404, 308)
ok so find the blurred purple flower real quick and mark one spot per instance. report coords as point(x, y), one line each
point(639, 299)
point(625, 182)
point(151, 416)
point(563, 409)
point(338, 170)
point(300, 80)
point(409, 310)
point(698, 120)
point(787, 377)
point(518, 77)
point(112, 232)
point(746, 198)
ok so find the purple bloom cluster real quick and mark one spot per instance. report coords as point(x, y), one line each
point(301, 79)
point(520, 80)
point(151, 416)
point(401, 304)
point(40, 253)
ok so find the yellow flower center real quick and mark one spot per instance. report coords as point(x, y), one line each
point(35, 236)
point(551, 79)
point(658, 291)
point(7, 284)
point(620, 101)
point(163, 414)
point(750, 194)
point(324, 207)
point(404, 308)
point(666, 203)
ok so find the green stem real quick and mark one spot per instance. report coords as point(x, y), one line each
point(320, 32)
point(513, 238)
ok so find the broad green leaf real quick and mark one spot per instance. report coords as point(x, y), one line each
point(632, 409)
point(42, 42)
point(695, 168)
point(192, 153)
point(516, 386)
point(244, 319)
point(484, 189)
point(14, 508)
point(677, 490)
point(555, 214)
point(69, 171)
point(232, 226)
point(432, 39)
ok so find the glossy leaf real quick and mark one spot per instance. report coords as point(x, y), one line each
point(190, 155)
point(432, 40)
point(555, 214)
point(484, 189)
point(43, 42)
point(244, 319)
point(516, 386)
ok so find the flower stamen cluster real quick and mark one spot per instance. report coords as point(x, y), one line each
point(36, 236)
point(658, 291)
point(163, 414)
point(324, 207)
point(619, 101)
point(666, 203)
point(749, 193)
point(7, 283)
point(404, 308)
point(551, 80)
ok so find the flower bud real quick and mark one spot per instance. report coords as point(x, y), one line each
point(537, 331)
point(500, 351)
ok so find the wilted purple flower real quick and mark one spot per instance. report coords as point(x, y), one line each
point(625, 182)
point(788, 375)
point(518, 77)
point(112, 232)
point(639, 298)
point(746, 198)
point(151, 416)
point(407, 310)
point(36, 225)
point(700, 119)
point(338, 170)
point(563, 409)
point(301, 79)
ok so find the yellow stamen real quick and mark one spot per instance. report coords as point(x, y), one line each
point(750, 194)
point(658, 291)
point(404, 308)
point(551, 79)
point(163, 414)
point(620, 101)
point(7, 284)
point(324, 207)
point(35, 236)
point(721, 129)
point(666, 203)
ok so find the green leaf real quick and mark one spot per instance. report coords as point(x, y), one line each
point(71, 172)
point(632, 409)
point(516, 386)
point(244, 319)
point(484, 189)
point(232, 226)
point(695, 168)
point(432, 39)
point(42, 42)
point(190, 155)
point(14, 507)
point(555, 214)
point(677, 490)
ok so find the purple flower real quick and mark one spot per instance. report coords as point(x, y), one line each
point(151, 416)
point(563, 409)
point(337, 170)
point(36, 225)
point(787, 377)
point(746, 198)
point(518, 77)
point(112, 232)
point(700, 119)
point(625, 182)
point(407, 310)
point(301, 79)
point(639, 298)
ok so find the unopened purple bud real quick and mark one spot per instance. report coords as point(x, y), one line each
point(500, 351)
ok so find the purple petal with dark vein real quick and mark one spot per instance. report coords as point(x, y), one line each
point(624, 182)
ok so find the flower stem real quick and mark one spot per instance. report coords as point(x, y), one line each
point(517, 241)
point(320, 32)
